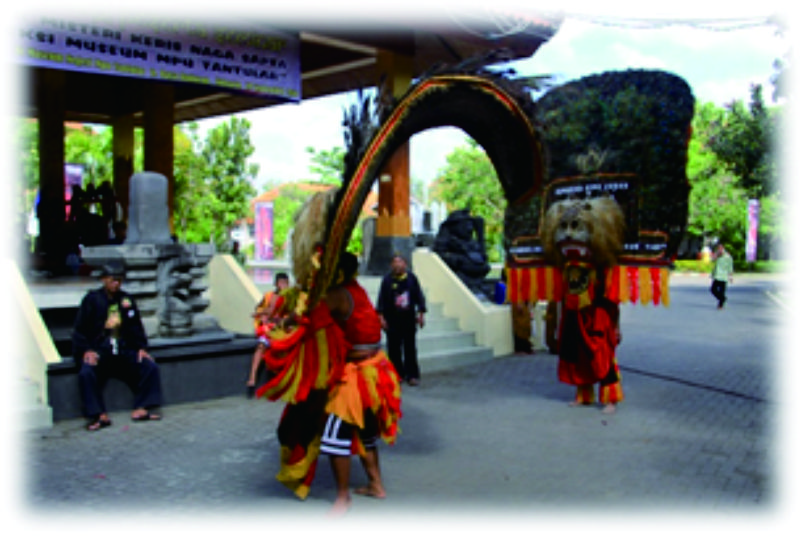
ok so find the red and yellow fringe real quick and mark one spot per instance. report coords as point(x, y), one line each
point(299, 466)
point(310, 356)
point(624, 284)
point(369, 384)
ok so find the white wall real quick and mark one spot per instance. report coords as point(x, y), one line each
point(491, 323)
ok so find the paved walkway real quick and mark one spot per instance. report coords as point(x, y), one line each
point(696, 438)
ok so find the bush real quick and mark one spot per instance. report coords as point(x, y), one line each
point(761, 267)
point(693, 266)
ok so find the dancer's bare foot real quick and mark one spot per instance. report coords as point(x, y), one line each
point(371, 490)
point(340, 506)
point(575, 404)
point(608, 409)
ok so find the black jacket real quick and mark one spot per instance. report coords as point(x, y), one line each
point(90, 333)
point(391, 288)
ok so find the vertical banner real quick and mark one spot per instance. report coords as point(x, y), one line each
point(263, 225)
point(752, 230)
point(73, 176)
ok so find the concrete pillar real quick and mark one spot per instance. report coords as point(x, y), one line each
point(123, 159)
point(393, 225)
point(159, 118)
point(52, 207)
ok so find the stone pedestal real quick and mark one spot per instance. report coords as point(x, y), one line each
point(167, 281)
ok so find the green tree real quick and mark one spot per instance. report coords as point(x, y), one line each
point(192, 196)
point(718, 199)
point(743, 142)
point(285, 206)
point(28, 148)
point(92, 147)
point(228, 178)
point(469, 180)
point(717, 205)
point(327, 165)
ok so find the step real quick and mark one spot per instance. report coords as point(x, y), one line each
point(202, 367)
point(446, 360)
point(38, 417)
point(441, 324)
point(435, 310)
point(32, 413)
point(439, 342)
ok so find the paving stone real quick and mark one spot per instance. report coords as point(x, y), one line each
point(696, 433)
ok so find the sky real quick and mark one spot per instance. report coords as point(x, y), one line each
point(719, 64)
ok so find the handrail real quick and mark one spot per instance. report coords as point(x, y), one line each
point(233, 294)
point(36, 346)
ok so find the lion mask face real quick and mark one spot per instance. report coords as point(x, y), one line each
point(591, 230)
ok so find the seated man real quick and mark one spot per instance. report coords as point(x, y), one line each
point(108, 340)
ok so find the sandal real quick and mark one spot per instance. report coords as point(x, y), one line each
point(146, 416)
point(98, 424)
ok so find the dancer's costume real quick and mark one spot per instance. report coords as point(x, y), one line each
point(587, 281)
point(307, 361)
point(608, 218)
point(588, 339)
point(271, 304)
point(315, 373)
point(367, 395)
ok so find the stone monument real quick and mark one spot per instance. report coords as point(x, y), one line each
point(461, 244)
point(167, 279)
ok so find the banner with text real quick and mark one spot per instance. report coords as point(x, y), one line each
point(751, 245)
point(263, 231)
point(260, 61)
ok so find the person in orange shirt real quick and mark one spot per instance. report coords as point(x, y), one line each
point(267, 312)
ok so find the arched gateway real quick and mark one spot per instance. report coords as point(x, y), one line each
point(543, 152)
point(312, 372)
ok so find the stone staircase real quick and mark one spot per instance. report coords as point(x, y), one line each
point(441, 345)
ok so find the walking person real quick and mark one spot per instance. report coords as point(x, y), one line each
point(401, 306)
point(109, 340)
point(721, 274)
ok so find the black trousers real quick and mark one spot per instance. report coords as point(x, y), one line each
point(401, 342)
point(718, 289)
point(143, 378)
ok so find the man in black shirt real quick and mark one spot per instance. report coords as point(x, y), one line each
point(401, 305)
point(109, 340)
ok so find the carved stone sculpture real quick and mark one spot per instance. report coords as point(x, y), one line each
point(166, 279)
